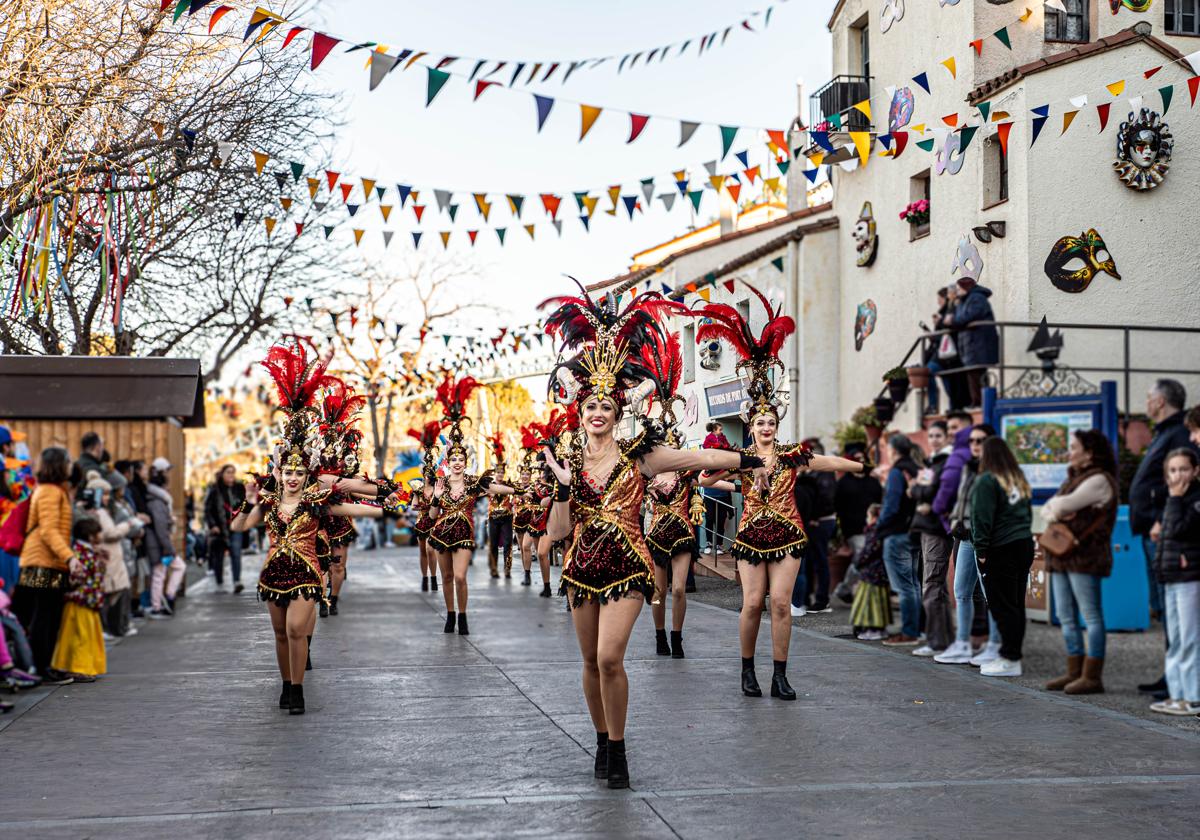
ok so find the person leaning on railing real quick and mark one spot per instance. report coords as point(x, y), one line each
point(978, 346)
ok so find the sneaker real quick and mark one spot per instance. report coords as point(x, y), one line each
point(108, 637)
point(925, 650)
point(990, 652)
point(1000, 667)
point(900, 640)
point(798, 612)
point(871, 636)
point(132, 631)
point(1179, 708)
point(15, 678)
point(52, 677)
point(166, 609)
point(157, 615)
point(821, 608)
point(959, 653)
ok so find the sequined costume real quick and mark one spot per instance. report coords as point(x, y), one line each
point(607, 556)
point(424, 521)
point(539, 513)
point(523, 510)
point(500, 507)
point(455, 525)
point(771, 526)
point(292, 569)
point(671, 531)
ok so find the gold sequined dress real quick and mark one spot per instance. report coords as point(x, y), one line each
point(292, 569)
point(671, 531)
point(771, 527)
point(455, 526)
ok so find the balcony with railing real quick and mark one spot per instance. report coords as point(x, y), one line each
point(832, 109)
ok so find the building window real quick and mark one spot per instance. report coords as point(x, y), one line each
point(918, 188)
point(1183, 17)
point(995, 173)
point(1071, 25)
point(688, 351)
point(864, 50)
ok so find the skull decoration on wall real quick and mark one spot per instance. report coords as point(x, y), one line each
point(866, 242)
point(864, 322)
point(710, 355)
point(1074, 261)
point(1144, 145)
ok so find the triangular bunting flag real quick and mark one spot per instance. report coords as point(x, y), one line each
point(862, 142)
point(387, 238)
point(922, 79)
point(728, 133)
point(984, 109)
point(901, 139)
point(951, 120)
point(514, 204)
point(695, 197)
point(445, 235)
point(734, 191)
point(416, 235)
point(453, 211)
point(433, 84)
point(1116, 88)
point(950, 65)
point(686, 130)
point(297, 171)
point(385, 210)
point(481, 86)
point(965, 136)
point(331, 178)
point(668, 200)
point(1193, 83)
point(529, 230)
point(381, 65)
point(472, 234)
point(637, 122)
point(418, 210)
point(1102, 110)
point(1040, 114)
point(544, 104)
point(368, 184)
point(1151, 71)
point(586, 221)
point(346, 188)
point(926, 145)
point(321, 45)
point(648, 189)
point(358, 234)
point(977, 45)
point(863, 107)
point(1002, 131)
point(1166, 93)
point(588, 115)
point(500, 234)
point(728, 284)
point(483, 205)
point(270, 224)
point(1002, 36)
point(313, 186)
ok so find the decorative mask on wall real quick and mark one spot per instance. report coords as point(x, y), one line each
point(892, 11)
point(864, 322)
point(901, 110)
point(866, 242)
point(710, 355)
point(949, 156)
point(947, 2)
point(1144, 147)
point(1131, 5)
point(1075, 260)
point(967, 262)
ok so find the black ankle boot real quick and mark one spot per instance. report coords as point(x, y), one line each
point(601, 755)
point(749, 680)
point(424, 584)
point(463, 630)
point(677, 644)
point(527, 581)
point(308, 656)
point(779, 684)
point(333, 605)
point(545, 593)
point(285, 697)
point(323, 610)
point(451, 620)
point(661, 645)
point(433, 583)
point(618, 767)
point(296, 704)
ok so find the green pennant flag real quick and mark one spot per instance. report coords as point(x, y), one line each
point(985, 108)
point(183, 4)
point(436, 78)
point(926, 145)
point(579, 197)
point(695, 196)
point(728, 133)
point(453, 211)
point(836, 121)
point(778, 263)
point(966, 136)
point(297, 171)
point(1002, 36)
point(1166, 93)
point(500, 234)
point(783, 166)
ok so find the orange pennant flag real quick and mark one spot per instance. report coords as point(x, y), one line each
point(613, 194)
point(529, 230)
point(286, 202)
point(445, 234)
point(751, 173)
point(485, 207)
point(734, 191)
point(951, 120)
point(1026, 15)
point(977, 45)
point(1068, 117)
point(270, 223)
point(778, 138)
point(386, 210)
point(260, 160)
point(1002, 131)
point(358, 232)
point(368, 185)
point(588, 114)
point(313, 186)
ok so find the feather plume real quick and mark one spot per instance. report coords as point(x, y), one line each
point(497, 441)
point(427, 435)
point(297, 377)
point(339, 404)
point(729, 326)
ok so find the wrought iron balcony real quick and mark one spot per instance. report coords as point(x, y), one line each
point(835, 102)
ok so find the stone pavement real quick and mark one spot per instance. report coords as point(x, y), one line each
point(412, 733)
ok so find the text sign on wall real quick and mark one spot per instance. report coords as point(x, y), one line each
point(725, 399)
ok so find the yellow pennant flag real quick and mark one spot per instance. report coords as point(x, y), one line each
point(386, 210)
point(705, 293)
point(815, 160)
point(919, 128)
point(613, 194)
point(588, 114)
point(1116, 88)
point(445, 234)
point(313, 186)
point(862, 142)
point(997, 116)
point(417, 57)
point(771, 184)
point(270, 223)
point(717, 181)
point(529, 230)
point(483, 204)
point(368, 188)
point(681, 175)
point(950, 65)
point(260, 160)
point(358, 232)
point(1026, 15)
point(864, 107)
point(1068, 117)
point(590, 202)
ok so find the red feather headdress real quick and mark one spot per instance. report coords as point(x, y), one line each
point(452, 396)
point(297, 378)
point(339, 407)
point(497, 441)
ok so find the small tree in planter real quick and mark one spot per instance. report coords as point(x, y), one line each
point(869, 421)
point(846, 434)
point(897, 383)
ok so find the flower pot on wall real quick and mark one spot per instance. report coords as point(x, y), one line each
point(898, 388)
point(885, 409)
point(918, 377)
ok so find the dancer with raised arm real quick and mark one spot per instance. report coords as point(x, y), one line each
point(607, 571)
point(454, 495)
point(770, 535)
point(422, 501)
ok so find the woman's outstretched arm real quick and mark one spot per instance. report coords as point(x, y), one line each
point(559, 523)
point(832, 463)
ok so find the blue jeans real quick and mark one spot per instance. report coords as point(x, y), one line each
point(1150, 549)
point(966, 578)
point(932, 396)
point(217, 546)
point(1182, 601)
point(1078, 594)
point(902, 575)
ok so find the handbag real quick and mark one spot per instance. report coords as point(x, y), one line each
point(947, 349)
point(1059, 540)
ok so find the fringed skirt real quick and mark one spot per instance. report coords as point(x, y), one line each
point(286, 577)
point(872, 607)
point(451, 533)
point(423, 525)
point(522, 519)
point(768, 540)
point(605, 569)
point(670, 539)
point(339, 530)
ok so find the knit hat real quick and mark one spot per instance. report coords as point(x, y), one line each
point(160, 464)
point(95, 482)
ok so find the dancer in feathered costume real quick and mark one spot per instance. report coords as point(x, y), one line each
point(291, 502)
point(770, 535)
point(422, 501)
point(454, 497)
point(526, 504)
point(607, 570)
point(500, 515)
point(340, 438)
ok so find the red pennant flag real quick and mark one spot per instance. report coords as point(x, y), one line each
point(1002, 131)
point(1193, 83)
point(728, 284)
point(418, 209)
point(734, 190)
point(292, 33)
point(636, 123)
point(551, 202)
point(751, 173)
point(1102, 110)
point(481, 86)
point(287, 301)
point(977, 45)
point(331, 178)
point(217, 14)
point(1152, 71)
point(472, 234)
point(299, 228)
point(321, 45)
point(778, 138)
point(900, 139)
point(346, 191)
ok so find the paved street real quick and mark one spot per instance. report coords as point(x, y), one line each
point(412, 733)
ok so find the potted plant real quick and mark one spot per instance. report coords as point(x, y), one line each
point(885, 410)
point(897, 383)
point(869, 421)
point(918, 376)
point(845, 434)
point(916, 212)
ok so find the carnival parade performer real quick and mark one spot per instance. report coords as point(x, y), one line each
point(291, 503)
point(607, 571)
point(770, 535)
point(525, 507)
point(339, 460)
point(454, 495)
point(422, 497)
point(542, 492)
point(500, 515)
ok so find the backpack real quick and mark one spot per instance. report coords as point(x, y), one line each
point(15, 528)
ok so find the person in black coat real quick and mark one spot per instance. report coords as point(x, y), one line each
point(934, 544)
point(853, 496)
point(225, 495)
point(815, 500)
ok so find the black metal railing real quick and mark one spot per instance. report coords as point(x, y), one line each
point(839, 97)
point(1003, 371)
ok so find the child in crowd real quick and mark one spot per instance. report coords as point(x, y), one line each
point(80, 648)
point(871, 612)
point(12, 677)
point(1177, 565)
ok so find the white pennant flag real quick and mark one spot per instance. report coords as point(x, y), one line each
point(1078, 102)
point(1135, 104)
point(443, 199)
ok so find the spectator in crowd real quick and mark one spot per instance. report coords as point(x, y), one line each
point(225, 495)
point(894, 522)
point(820, 524)
point(852, 498)
point(1192, 422)
point(1001, 516)
point(160, 552)
point(47, 560)
point(941, 357)
point(91, 454)
point(16, 486)
point(977, 345)
point(935, 543)
point(1178, 568)
point(1148, 490)
point(1086, 504)
point(14, 649)
point(715, 437)
point(717, 502)
point(79, 651)
point(117, 526)
point(137, 494)
point(871, 611)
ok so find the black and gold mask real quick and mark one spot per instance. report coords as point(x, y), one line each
point(1075, 260)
